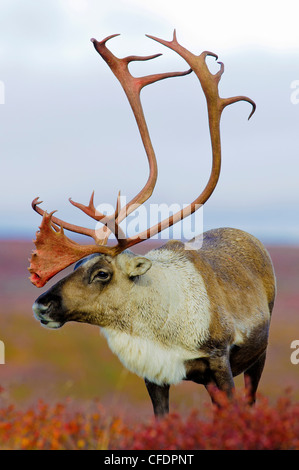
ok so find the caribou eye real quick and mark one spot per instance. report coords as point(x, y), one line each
point(100, 276)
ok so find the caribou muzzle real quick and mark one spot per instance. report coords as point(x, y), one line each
point(49, 312)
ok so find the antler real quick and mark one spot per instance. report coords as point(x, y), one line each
point(215, 105)
point(132, 87)
point(50, 240)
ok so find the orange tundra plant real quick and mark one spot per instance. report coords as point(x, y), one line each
point(234, 426)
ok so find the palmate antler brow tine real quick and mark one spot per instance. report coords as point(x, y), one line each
point(108, 221)
point(55, 252)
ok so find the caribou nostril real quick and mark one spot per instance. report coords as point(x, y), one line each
point(41, 309)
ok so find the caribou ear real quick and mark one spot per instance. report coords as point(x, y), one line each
point(138, 266)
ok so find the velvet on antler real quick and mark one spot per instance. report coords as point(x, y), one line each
point(54, 251)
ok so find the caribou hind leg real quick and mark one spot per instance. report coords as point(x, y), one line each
point(252, 377)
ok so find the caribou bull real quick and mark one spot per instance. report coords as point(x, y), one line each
point(176, 313)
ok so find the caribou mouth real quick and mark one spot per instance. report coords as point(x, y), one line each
point(52, 325)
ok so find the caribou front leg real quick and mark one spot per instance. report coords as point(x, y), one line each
point(160, 397)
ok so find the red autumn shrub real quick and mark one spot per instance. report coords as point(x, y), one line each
point(233, 426)
point(57, 427)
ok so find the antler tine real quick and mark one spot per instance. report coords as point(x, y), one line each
point(208, 81)
point(119, 234)
point(109, 222)
point(235, 99)
point(89, 210)
point(54, 220)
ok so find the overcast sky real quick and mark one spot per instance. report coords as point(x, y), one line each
point(67, 128)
